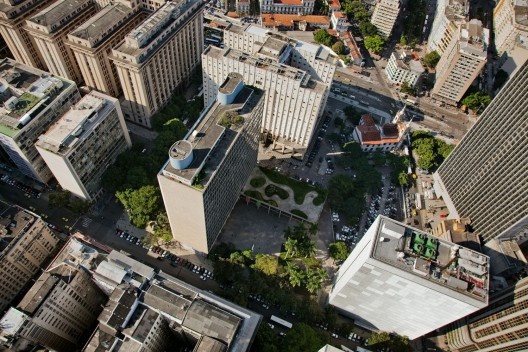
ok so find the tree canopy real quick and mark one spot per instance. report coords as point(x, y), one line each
point(338, 250)
point(431, 151)
point(142, 205)
point(477, 101)
point(323, 37)
point(338, 47)
point(431, 59)
point(302, 337)
point(374, 43)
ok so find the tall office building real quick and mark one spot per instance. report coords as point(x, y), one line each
point(461, 63)
point(13, 16)
point(32, 101)
point(49, 29)
point(385, 15)
point(450, 14)
point(159, 56)
point(401, 280)
point(84, 142)
point(484, 177)
point(500, 327)
point(206, 172)
point(510, 24)
point(294, 75)
point(26, 244)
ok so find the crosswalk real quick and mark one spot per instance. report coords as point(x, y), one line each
point(85, 222)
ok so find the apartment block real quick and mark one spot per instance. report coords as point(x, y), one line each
point(209, 169)
point(404, 67)
point(13, 16)
point(384, 16)
point(49, 29)
point(461, 63)
point(26, 244)
point(84, 142)
point(450, 14)
point(339, 21)
point(92, 43)
point(303, 7)
point(32, 100)
point(400, 279)
point(158, 57)
point(484, 177)
point(295, 77)
point(510, 22)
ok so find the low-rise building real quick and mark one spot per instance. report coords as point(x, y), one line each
point(285, 22)
point(374, 137)
point(333, 5)
point(356, 58)
point(302, 7)
point(339, 21)
point(404, 67)
point(84, 142)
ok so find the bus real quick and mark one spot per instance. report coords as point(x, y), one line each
point(281, 322)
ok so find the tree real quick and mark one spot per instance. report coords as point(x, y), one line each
point(352, 115)
point(266, 340)
point(141, 204)
point(403, 179)
point(322, 37)
point(268, 264)
point(162, 230)
point(338, 250)
point(315, 279)
point(302, 337)
point(374, 43)
point(403, 40)
point(338, 47)
point(381, 340)
point(368, 29)
point(295, 274)
point(477, 101)
point(407, 88)
point(59, 199)
point(431, 59)
point(291, 247)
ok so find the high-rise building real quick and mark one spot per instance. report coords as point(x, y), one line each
point(206, 172)
point(84, 142)
point(13, 16)
point(26, 244)
point(510, 24)
point(500, 327)
point(384, 16)
point(484, 176)
point(49, 29)
point(401, 280)
point(450, 14)
point(461, 63)
point(295, 77)
point(92, 44)
point(303, 7)
point(158, 57)
point(403, 67)
point(32, 101)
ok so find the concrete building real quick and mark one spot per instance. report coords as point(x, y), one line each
point(298, 7)
point(13, 16)
point(510, 23)
point(294, 75)
point(384, 16)
point(404, 67)
point(158, 57)
point(401, 280)
point(207, 171)
point(333, 5)
point(26, 244)
point(450, 14)
point(461, 63)
point(84, 142)
point(500, 327)
point(32, 101)
point(92, 43)
point(483, 177)
point(49, 29)
point(339, 21)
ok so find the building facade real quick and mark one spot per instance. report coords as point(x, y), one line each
point(49, 29)
point(403, 67)
point(158, 57)
point(500, 327)
point(511, 24)
point(461, 63)
point(384, 16)
point(484, 176)
point(25, 248)
point(297, 7)
point(339, 21)
point(372, 137)
point(401, 280)
point(84, 142)
point(32, 101)
point(450, 14)
point(208, 191)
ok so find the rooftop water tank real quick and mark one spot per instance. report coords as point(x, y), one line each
point(181, 155)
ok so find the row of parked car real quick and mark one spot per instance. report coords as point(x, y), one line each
point(29, 191)
point(128, 237)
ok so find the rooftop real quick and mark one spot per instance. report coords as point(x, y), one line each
point(131, 264)
point(442, 264)
point(474, 38)
point(57, 12)
point(287, 20)
point(521, 12)
point(117, 308)
point(14, 223)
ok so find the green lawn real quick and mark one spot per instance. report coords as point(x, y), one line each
point(257, 182)
point(300, 189)
point(271, 190)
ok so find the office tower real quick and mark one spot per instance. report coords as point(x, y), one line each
point(294, 75)
point(398, 279)
point(461, 63)
point(510, 24)
point(303, 7)
point(384, 16)
point(92, 44)
point(49, 29)
point(484, 176)
point(84, 142)
point(32, 101)
point(450, 14)
point(26, 244)
point(500, 327)
point(208, 169)
point(13, 16)
point(404, 67)
point(158, 57)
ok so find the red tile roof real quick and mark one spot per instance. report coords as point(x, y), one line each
point(369, 133)
point(286, 20)
point(367, 120)
point(390, 130)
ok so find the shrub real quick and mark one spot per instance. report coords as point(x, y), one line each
point(257, 182)
point(299, 213)
point(271, 190)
